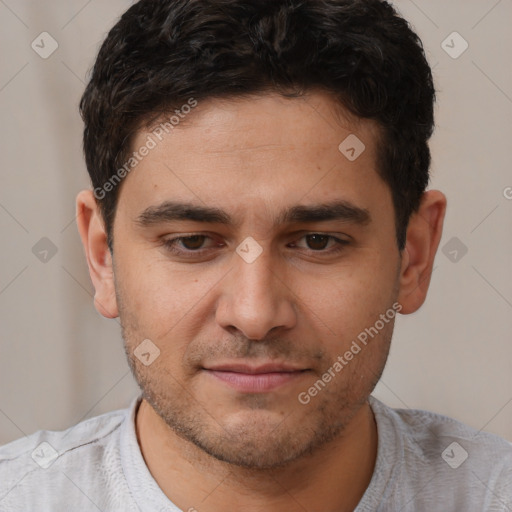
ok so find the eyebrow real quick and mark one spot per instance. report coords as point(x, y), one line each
point(170, 211)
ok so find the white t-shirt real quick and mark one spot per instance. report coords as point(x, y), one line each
point(425, 463)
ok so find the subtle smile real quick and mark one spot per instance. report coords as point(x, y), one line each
point(255, 379)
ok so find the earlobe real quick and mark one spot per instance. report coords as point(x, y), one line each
point(423, 236)
point(99, 260)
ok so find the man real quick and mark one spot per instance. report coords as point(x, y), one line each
point(258, 217)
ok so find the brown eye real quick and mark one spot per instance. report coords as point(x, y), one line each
point(320, 243)
point(193, 242)
point(317, 242)
point(186, 245)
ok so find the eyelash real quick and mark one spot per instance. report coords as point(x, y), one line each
point(170, 245)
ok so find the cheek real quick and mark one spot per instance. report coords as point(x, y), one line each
point(146, 292)
point(351, 300)
point(166, 301)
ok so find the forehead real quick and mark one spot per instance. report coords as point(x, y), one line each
point(261, 151)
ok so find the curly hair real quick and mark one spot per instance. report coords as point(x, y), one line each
point(161, 53)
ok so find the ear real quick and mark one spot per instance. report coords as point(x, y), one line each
point(99, 260)
point(423, 237)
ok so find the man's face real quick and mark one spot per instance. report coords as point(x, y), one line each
point(297, 303)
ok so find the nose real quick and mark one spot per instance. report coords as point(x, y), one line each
point(255, 297)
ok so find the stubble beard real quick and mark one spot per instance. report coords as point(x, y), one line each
point(257, 443)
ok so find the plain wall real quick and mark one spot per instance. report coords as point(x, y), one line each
point(61, 362)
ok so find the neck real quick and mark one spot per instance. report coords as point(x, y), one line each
point(333, 478)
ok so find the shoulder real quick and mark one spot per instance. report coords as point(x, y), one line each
point(37, 467)
point(47, 444)
point(437, 432)
point(459, 462)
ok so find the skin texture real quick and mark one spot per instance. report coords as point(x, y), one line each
point(209, 446)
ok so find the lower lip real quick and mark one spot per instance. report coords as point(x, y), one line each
point(255, 383)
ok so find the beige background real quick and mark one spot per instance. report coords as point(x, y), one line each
point(62, 362)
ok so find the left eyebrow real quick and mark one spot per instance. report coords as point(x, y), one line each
point(336, 210)
point(169, 211)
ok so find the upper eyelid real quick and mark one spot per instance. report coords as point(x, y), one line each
point(300, 235)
